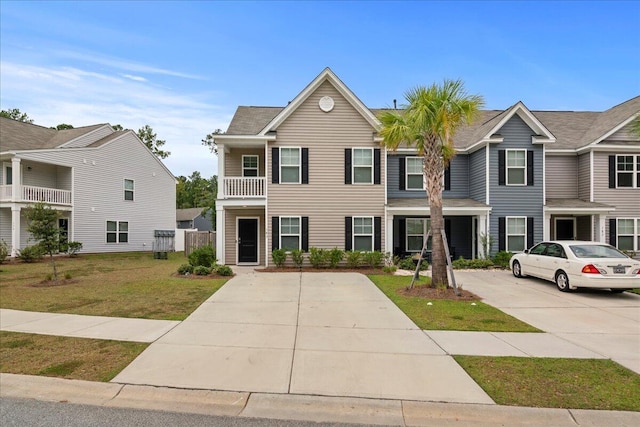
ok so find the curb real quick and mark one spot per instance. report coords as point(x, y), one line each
point(302, 407)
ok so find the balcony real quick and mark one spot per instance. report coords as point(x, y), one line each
point(30, 193)
point(243, 188)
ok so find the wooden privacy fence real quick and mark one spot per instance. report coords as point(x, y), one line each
point(197, 239)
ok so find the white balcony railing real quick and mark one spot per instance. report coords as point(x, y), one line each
point(30, 193)
point(243, 188)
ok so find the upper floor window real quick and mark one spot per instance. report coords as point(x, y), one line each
point(415, 175)
point(363, 165)
point(417, 229)
point(250, 165)
point(363, 233)
point(117, 231)
point(290, 165)
point(8, 175)
point(290, 233)
point(516, 167)
point(128, 189)
point(516, 234)
point(628, 230)
point(628, 171)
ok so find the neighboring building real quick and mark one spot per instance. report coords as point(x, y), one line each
point(194, 218)
point(314, 174)
point(111, 190)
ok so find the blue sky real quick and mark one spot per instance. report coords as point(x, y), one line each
point(184, 67)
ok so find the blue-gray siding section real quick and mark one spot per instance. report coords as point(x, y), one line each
point(477, 175)
point(459, 169)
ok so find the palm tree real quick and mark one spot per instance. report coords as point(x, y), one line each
point(428, 122)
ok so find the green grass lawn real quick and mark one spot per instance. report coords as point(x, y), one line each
point(119, 285)
point(555, 383)
point(447, 314)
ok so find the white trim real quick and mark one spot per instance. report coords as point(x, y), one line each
point(506, 233)
point(634, 172)
point(280, 164)
point(87, 134)
point(487, 179)
point(299, 218)
point(591, 183)
point(353, 231)
point(564, 218)
point(527, 116)
point(353, 165)
point(267, 221)
point(257, 218)
point(406, 174)
point(507, 167)
point(426, 226)
point(124, 190)
point(635, 235)
point(611, 132)
point(117, 232)
point(257, 168)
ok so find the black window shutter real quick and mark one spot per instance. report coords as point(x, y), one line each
point(347, 165)
point(529, 167)
point(403, 175)
point(529, 232)
point(612, 171)
point(377, 233)
point(447, 178)
point(612, 230)
point(376, 166)
point(402, 230)
point(305, 234)
point(275, 166)
point(305, 165)
point(275, 232)
point(502, 243)
point(347, 233)
point(502, 168)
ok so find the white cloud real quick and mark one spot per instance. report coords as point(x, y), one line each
point(134, 78)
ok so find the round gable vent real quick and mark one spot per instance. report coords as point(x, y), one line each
point(326, 103)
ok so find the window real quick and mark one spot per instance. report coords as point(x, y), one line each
point(128, 189)
point(516, 234)
point(8, 175)
point(290, 165)
point(628, 230)
point(363, 234)
point(117, 232)
point(415, 175)
point(249, 165)
point(290, 233)
point(628, 167)
point(362, 165)
point(417, 229)
point(516, 167)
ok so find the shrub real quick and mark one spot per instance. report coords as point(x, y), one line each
point(389, 269)
point(318, 257)
point(279, 256)
point(201, 270)
point(408, 263)
point(204, 256)
point(335, 256)
point(373, 258)
point(67, 276)
point(4, 251)
point(502, 259)
point(72, 248)
point(298, 257)
point(224, 270)
point(472, 264)
point(31, 254)
point(185, 268)
point(354, 259)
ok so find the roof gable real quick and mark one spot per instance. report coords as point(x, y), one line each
point(611, 121)
point(493, 126)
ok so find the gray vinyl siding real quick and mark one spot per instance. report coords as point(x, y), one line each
point(326, 200)
point(90, 138)
point(5, 226)
point(46, 175)
point(202, 223)
point(459, 169)
point(98, 192)
point(584, 177)
point(625, 200)
point(562, 177)
point(230, 224)
point(477, 175)
point(623, 135)
point(520, 200)
point(233, 161)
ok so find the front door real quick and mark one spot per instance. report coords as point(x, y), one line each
point(565, 228)
point(63, 231)
point(247, 240)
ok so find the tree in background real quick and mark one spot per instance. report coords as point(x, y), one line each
point(197, 192)
point(43, 226)
point(16, 114)
point(210, 141)
point(63, 126)
point(428, 123)
point(150, 139)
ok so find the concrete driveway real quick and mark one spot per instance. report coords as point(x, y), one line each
point(329, 334)
point(597, 320)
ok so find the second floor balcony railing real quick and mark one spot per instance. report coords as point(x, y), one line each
point(30, 193)
point(243, 187)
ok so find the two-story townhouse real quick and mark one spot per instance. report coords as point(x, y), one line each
point(111, 190)
point(287, 184)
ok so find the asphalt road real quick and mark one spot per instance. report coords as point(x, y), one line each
point(33, 413)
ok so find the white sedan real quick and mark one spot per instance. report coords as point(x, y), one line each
point(574, 264)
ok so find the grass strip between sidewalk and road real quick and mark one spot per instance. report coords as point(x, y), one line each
point(555, 383)
point(65, 357)
point(444, 314)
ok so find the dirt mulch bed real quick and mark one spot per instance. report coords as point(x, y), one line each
point(51, 283)
point(195, 276)
point(363, 270)
point(438, 293)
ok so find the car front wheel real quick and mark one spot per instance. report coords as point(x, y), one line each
point(516, 269)
point(562, 281)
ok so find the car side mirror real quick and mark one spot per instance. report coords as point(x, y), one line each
point(526, 251)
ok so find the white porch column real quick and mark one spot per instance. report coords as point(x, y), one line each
point(599, 229)
point(221, 174)
point(482, 231)
point(388, 240)
point(15, 230)
point(546, 227)
point(220, 234)
point(16, 179)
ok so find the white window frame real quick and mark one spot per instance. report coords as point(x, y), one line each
point(426, 225)
point(354, 166)
point(354, 234)
point(118, 231)
point(635, 234)
point(257, 168)
point(407, 173)
point(523, 167)
point(131, 190)
point(7, 172)
point(507, 234)
point(635, 171)
point(280, 151)
point(299, 234)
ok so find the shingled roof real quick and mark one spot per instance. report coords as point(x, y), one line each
point(15, 135)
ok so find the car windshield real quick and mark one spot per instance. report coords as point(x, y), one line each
point(596, 251)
